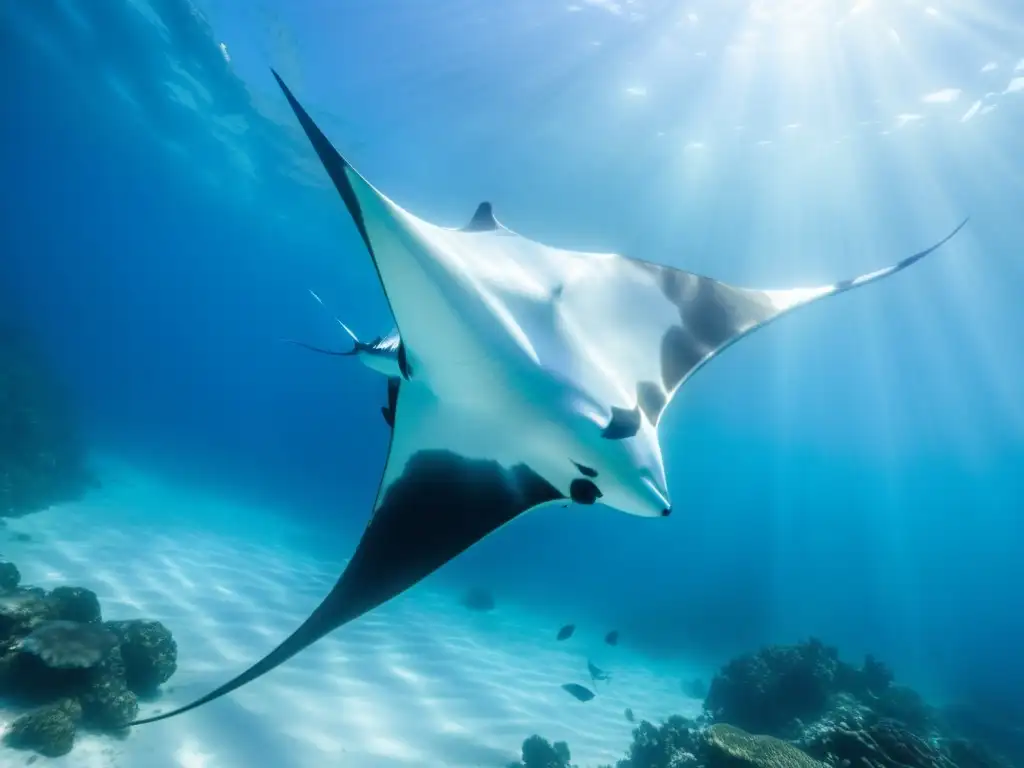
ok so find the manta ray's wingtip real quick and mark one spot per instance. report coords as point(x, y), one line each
point(959, 226)
point(284, 87)
point(333, 161)
point(932, 248)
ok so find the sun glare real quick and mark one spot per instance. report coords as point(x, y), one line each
point(841, 111)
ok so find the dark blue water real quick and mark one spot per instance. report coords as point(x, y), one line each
point(853, 472)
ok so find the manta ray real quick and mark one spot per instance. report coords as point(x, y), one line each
point(521, 375)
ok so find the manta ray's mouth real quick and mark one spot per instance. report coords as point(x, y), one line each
point(662, 502)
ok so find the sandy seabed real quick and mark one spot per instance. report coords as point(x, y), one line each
point(419, 682)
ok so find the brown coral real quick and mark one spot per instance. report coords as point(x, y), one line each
point(731, 747)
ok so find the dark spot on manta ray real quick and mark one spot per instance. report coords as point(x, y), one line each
point(578, 691)
point(583, 491)
point(707, 317)
point(666, 511)
point(651, 399)
point(680, 354)
point(711, 315)
point(624, 423)
point(441, 505)
point(585, 470)
point(565, 632)
point(612, 638)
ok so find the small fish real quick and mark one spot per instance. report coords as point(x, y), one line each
point(578, 691)
point(612, 638)
point(566, 632)
point(629, 715)
point(596, 673)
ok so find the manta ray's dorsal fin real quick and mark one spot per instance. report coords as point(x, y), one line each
point(483, 220)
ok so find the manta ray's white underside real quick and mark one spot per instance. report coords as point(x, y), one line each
point(526, 375)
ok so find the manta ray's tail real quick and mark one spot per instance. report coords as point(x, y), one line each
point(356, 343)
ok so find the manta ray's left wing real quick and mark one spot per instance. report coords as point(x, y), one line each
point(440, 494)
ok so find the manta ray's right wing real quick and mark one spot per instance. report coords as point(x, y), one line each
point(649, 327)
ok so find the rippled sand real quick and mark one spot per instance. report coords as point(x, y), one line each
point(420, 682)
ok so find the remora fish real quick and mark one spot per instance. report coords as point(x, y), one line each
point(527, 375)
point(596, 673)
point(380, 355)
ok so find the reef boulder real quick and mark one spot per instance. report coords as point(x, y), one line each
point(75, 604)
point(149, 651)
point(70, 644)
point(56, 652)
point(538, 752)
point(673, 744)
point(10, 576)
point(107, 702)
point(50, 731)
point(766, 691)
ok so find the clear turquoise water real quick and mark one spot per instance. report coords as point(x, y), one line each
point(852, 472)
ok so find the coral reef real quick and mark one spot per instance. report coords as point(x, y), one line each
point(57, 655)
point(69, 644)
point(766, 691)
point(75, 604)
point(42, 458)
point(540, 753)
point(672, 745)
point(149, 651)
point(785, 689)
point(798, 706)
point(728, 746)
point(50, 731)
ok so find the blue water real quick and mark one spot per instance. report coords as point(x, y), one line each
point(853, 472)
